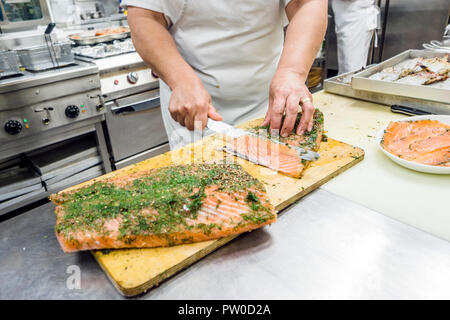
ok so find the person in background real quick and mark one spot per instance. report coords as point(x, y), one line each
point(227, 59)
point(356, 21)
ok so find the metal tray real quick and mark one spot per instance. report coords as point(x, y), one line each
point(89, 37)
point(361, 80)
point(341, 85)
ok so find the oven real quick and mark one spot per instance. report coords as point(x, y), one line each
point(135, 128)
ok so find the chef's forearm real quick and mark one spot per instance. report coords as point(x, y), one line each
point(156, 47)
point(304, 36)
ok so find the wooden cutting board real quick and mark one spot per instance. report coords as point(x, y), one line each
point(133, 271)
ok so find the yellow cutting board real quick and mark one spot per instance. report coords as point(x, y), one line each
point(133, 271)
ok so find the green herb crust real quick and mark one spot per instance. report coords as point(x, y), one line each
point(309, 141)
point(159, 202)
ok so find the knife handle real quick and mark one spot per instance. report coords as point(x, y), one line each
point(408, 110)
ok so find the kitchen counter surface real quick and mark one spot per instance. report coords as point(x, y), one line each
point(323, 246)
point(418, 199)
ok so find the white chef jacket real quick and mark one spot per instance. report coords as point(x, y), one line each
point(233, 46)
point(356, 21)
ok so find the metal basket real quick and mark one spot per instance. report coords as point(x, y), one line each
point(46, 56)
point(9, 64)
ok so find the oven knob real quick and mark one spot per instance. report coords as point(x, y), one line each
point(132, 77)
point(72, 111)
point(13, 127)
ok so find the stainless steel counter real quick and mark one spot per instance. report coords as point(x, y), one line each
point(321, 247)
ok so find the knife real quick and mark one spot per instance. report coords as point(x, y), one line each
point(408, 110)
point(232, 132)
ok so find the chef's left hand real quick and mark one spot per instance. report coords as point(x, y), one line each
point(287, 91)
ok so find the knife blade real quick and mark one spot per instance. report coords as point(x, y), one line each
point(225, 128)
point(233, 132)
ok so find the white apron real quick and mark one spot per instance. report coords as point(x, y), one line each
point(356, 21)
point(233, 46)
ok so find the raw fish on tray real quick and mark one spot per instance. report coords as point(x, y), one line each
point(417, 71)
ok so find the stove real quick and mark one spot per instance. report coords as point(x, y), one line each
point(123, 75)
point(39, 108)
point(40, 101)
point(131, 95)
point(46, 114)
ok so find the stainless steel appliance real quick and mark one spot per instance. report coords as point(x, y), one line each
point(85, 12)
point(9, 64)
point(64, 164)
point(45, 57)
point(19, 15)
point(44, 103)
point(342, 85)
point(432, 92)
point(406, 23)
point(48, 116)
point(411, 23)
point(39, 109)
point(134, 126)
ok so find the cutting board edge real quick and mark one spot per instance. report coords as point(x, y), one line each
point(144, 287)
point(319, 183)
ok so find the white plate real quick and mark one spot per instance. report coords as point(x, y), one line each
point(414, 165)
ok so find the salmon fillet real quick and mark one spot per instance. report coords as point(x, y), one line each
point(424, 141)
point(162, 207)
point(259, 147)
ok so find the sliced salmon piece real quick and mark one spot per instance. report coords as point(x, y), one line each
point(269, 154)
point(439, 157)
point(162, 207)
point(424, 141)
point(279, 156)
point(431, 143)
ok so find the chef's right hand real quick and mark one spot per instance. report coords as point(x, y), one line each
point(190, 105)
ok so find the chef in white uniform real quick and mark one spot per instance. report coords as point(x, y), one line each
point(227, 59)
point(356, 21)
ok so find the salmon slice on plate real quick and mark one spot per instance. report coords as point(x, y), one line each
point(276, 152)
point(162, 207)
point(423, 141)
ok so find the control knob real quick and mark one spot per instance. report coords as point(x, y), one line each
point(133, 77)
point(13, 127)
point(72, 111)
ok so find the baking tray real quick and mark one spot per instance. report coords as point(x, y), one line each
point(46, 161)
point(341, 85)
point(75, 179)
point(70, 169)
point(16, 178)
point(88, 37)
point(17, 181)
point(23, 200)
point(361, 81)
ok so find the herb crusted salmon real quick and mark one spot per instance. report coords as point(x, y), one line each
point(274, 151)
point(423, 141)
point(162, 207)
